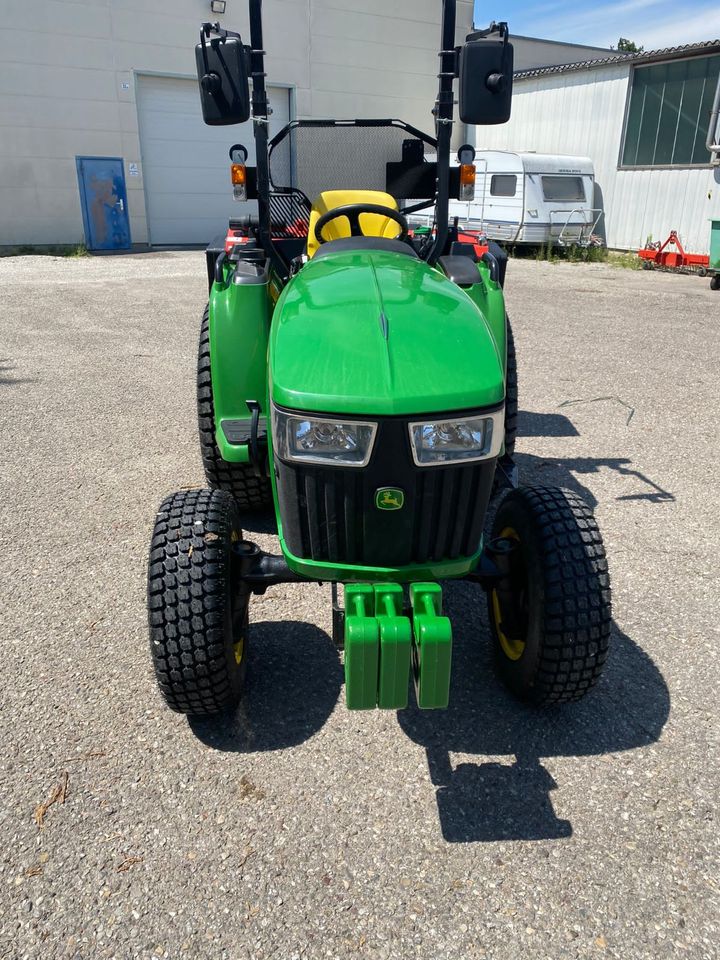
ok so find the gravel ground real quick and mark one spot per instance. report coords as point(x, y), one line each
point(298, 829)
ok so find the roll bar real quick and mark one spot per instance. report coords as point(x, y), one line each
point(443, 113)
point(261, 121)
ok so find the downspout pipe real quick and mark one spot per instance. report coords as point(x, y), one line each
point(713, 135)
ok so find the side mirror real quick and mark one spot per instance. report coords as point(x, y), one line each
point(223, 69)
point(486, 76)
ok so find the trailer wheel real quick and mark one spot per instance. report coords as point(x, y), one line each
point(239, 479)
point(511, 393)
point(715, 282)
point(197, 616)
point(550, 619)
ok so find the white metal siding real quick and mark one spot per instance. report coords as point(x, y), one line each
point(582, 113)
point(186, 164)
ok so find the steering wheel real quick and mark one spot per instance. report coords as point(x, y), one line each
point(353, 212)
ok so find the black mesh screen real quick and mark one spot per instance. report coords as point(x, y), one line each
point(289, 214)
point(336, 156)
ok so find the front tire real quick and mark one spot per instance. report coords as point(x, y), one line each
point(239, 479)
point(551, 619)
point(197, 616)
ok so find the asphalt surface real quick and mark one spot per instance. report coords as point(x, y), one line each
point(298, 829)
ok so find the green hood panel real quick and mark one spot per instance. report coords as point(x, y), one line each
point(375, 332)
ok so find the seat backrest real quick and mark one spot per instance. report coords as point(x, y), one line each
point(372, 224)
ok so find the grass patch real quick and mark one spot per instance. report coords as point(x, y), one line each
point(574, 254)
point(625, 259)
point(80, 250)
point(548, 253)
point(54, 250)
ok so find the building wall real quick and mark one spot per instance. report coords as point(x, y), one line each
point(582, 113)
point(68, 72)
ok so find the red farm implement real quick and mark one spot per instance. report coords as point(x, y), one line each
point(658, 255)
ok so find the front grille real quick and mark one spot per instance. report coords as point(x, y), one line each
point(329, 513)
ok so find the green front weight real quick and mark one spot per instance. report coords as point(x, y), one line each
point(432, 646)
point(362, 647)
point(395, 644)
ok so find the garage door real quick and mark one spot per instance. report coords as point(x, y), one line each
point(186, 169)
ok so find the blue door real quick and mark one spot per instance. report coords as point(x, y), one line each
point(104, 203)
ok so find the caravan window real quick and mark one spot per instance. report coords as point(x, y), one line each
point(563, 188)
point(503, 185)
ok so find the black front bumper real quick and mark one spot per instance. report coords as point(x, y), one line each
point(329, 513)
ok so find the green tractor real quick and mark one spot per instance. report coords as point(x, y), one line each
point(358, 375)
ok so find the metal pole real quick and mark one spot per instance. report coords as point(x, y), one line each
point(443, 123)
point(260, 111)
point(713, 135)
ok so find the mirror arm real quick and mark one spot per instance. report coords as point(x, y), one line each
point(209, 28)
point(500, 27)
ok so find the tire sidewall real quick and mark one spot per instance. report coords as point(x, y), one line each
point(235, 603)
point(194, 604)
point(519, 675)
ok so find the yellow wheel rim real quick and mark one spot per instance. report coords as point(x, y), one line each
point(239, 650)
point(512, 647)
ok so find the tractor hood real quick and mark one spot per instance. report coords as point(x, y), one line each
point(378, 332)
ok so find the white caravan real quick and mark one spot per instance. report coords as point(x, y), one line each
point(532, 198)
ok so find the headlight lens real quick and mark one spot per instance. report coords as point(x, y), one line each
point(457, 441)
point(317, 440)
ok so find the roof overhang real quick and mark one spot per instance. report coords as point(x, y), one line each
point(705, 48)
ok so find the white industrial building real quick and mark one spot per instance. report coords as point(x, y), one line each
point(643, 120)
point(116, 79)
point(83, 81)
point(94, 81)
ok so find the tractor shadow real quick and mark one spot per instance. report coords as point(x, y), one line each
point(7, 377)
point(293, 684)
point(260, 521)
point(545, 425)
point(500, 801)
point(496, 800)
point(564, 472)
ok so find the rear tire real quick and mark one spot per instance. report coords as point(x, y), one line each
point(551, 627)
point(715, 282)
point(196, 614)
point(239, 479)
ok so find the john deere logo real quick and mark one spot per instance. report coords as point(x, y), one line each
point(389, 498)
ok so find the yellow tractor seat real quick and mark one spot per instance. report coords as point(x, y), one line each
point(372, 224)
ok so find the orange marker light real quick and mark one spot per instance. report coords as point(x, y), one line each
point(238, 173)
point(467, 181)
point(238, 176)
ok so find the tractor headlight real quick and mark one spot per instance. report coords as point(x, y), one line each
point(457, 441)
point(347, 443)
